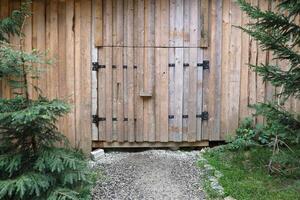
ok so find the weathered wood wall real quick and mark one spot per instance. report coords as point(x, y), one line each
point(64, 27)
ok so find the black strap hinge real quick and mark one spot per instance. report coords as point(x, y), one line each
point(97, 66)
point(204, 115)
point(204, 65)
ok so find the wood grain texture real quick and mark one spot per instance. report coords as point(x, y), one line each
point(150, 35)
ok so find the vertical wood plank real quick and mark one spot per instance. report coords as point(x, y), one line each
point(192, 122)
point(226, 38)
point(95, 92)
point(52, 45)
point(172, 20)
point(139, 25)
point(101, 96)
point(70, 68)
point(234, 68)
point(85, 81)
point(98, 17)
point(77, 47)
point(139, 63)
point(214, 107)
point(107, 57)
point(172, 123)
point(193, 73)
point(187, 19)
point(186, 76)
point(179, 23)
point(130, 84)
point(118, 22)
point(244, 77)
point(161, 94)
point(204, 23)
point(61, 62)
point(178, 95)
point(199, 94)
point(149, 23)
point(120, 93)
point(128, 23)
point(253, 56)
point(107, 22)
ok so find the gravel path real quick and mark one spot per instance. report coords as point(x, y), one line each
point(155, 174)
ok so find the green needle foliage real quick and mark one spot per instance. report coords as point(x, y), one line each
point(36, 161)
point(279, 33)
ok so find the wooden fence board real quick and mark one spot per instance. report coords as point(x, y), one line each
point(204, 23)
point(199, 109)
point(98, 26)
point(108, 93)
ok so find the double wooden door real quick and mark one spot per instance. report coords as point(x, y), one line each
point(149, 70)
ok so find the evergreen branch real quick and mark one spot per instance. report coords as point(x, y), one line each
point(288, 80)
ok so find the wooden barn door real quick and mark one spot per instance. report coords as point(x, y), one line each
point(148, 68)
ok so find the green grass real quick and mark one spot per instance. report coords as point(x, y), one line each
point(246, 176)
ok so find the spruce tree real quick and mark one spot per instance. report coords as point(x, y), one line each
point(278, 33)
point(36, 161)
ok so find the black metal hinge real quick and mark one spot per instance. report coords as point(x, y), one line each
point(97, 66)
point(205, 64)
point(203, 116)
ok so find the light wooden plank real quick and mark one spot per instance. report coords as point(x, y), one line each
point(187, 18)
point(199, 94)
point(98, 17)
point(186, 83)
point(85, 81)
point(149, 104)
point(101, 95)
point(125, 93)
point(61, 62)
point(77, 60)
point(130, 97)
point(179, 23)
point(204, 22)
point(118, 22)
point(178, 95)
point(114, 94)
point(139, 103)
point(107, 22)
point(128, 22)
point(172, 20)
point(52, 45)
point(118, 52)
point(70, 68)
point(192, 122)
point(234, 68)
point(214, 107)
point(164, 98)
point(149, 23)
point(139, 25)
point(253, 60)
point(95, 134)
point(171, 108)
point(107, 56)
point(225, 66)
point(244, 80)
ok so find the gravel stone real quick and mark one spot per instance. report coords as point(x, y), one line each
point(154, 174)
